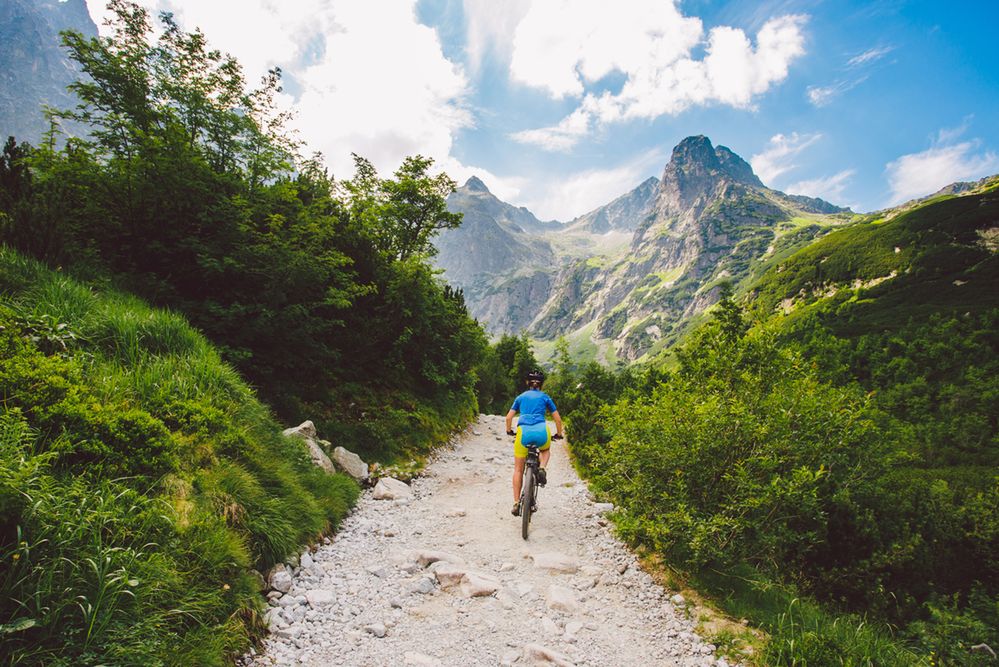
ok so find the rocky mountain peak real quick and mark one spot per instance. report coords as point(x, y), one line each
point(475, 184)
point(737, 168)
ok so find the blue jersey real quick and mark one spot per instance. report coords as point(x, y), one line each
point(532, 405)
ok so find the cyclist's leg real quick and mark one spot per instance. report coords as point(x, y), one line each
point(519, 459)
point(545, 451)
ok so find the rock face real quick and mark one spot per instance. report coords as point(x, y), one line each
point(34, 67)
point(631, 273)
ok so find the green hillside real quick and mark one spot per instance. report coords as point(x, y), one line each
point(822, 458)
point(141, 482)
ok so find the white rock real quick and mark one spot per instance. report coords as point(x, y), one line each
point(549, 628)
point(420, 659)
point(556, 562)
point(306, 561)
point(389, 488)
point(561, 598)
point(307, 431)
point(320, 598)
point(351, 463)
point(455, 512)
point(425, 558)
point(603, 508)
point(678, 600)
point(474, 585)
point(449, 575)
point(506, 567)
point(424, 585)
point(376, 629)
point(542, 654)
point(573, 627)
point(280, 579)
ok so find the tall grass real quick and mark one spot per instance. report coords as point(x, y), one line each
point(140, 481)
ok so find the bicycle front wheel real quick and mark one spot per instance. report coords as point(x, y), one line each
point(527, 502)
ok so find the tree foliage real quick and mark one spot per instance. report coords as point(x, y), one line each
point(189, 190)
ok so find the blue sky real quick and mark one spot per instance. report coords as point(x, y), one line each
point(561, 105)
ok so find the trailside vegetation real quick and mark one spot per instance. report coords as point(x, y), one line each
point(839, 490)
point(141, 483)
point(190, 192)
point(141, 480)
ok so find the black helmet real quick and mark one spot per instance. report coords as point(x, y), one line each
point(536, 376)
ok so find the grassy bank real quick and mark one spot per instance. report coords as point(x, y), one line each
point(141, 483)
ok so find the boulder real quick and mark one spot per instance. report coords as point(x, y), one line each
point(351, 463)
point(307, 432)
point(389, 488)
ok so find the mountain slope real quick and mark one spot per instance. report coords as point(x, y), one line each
point(34, 68)
point(711, 219)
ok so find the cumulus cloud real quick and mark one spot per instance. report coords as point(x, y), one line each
point(352, 93)
point(919, 174)
point(829, 188)
point(779, 155)
point(564, 47)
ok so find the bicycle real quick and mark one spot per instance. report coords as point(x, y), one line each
point(529, 487)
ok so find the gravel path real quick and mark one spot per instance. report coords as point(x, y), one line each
point(444, 578)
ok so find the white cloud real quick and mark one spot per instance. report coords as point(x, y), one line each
point(778, 157)
point(579, 193)
point(489, 25)
point(869, 56)
point(919, 174)
point(829, 188)
point(372, 80)
point(820, 96)
point(565, 46)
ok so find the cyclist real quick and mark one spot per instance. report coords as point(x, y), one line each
point(532, 429)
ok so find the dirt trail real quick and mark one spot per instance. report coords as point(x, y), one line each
point(569, 595)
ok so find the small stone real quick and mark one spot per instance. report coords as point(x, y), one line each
point(306, 561)
point(549, 628)
point(455, 512)
point(350, 463)
point(280, 579)
point(319, 598)
point(537, 653)
point(376, 629)
point(425, 558)
point(603, 508)
point(678, 600)
point(419, 659)
point(506, 567)
point(424, 586)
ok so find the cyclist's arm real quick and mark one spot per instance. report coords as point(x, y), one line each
point(558, 422)
point(509, 419)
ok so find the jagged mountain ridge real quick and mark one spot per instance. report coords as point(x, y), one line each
point(626, 276)
point(34, 68)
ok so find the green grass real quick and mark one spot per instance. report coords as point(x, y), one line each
point(140, 482)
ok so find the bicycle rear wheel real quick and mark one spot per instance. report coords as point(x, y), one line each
point(527, 501)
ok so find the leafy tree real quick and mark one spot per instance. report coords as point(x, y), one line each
point(407, 211)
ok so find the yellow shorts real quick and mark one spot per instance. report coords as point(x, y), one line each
point(520, 451)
